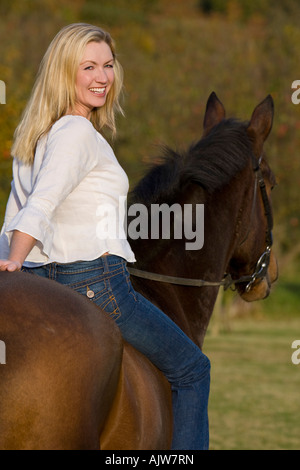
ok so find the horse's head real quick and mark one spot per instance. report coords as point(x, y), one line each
point(252, 266)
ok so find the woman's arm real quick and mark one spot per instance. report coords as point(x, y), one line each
point(21, 245)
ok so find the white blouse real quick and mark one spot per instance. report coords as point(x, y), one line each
point(72, 200)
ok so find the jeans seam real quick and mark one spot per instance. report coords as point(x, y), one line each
point(113, 299)
point(88, 270)
point(131, 291)
point(52, 271)
point(87, 282)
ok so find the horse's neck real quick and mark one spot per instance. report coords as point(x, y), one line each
point(191, 307)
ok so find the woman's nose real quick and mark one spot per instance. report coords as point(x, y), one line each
point(101, 76)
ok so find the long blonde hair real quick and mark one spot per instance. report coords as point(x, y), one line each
point(53, 93)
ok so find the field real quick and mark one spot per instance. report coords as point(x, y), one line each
point(254, 402)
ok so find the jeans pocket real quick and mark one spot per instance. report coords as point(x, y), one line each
point(109, 305)
point(98, 290)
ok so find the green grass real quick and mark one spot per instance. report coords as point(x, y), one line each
point(254, 401)
point(284, 300)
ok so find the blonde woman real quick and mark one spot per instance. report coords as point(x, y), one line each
point(63, 172)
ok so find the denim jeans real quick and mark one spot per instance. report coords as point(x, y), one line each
point(106, 282)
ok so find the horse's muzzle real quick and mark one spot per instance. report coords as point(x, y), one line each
point(261, 288)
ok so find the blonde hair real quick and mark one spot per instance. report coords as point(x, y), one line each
point(53, 93)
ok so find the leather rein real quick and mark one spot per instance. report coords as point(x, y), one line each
point(262, 264)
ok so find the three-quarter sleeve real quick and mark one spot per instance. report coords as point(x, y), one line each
point(71, 152)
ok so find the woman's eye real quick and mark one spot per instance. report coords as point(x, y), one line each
point(90, 67)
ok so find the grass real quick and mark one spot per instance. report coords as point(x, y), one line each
point(284, 301)
point(254, 402)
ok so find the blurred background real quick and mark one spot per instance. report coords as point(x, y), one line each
point(174, 54)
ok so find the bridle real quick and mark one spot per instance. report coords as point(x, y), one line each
point(261, 266)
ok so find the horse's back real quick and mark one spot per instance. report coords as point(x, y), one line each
point(63, 360)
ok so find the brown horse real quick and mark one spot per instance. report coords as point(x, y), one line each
point(69, 381)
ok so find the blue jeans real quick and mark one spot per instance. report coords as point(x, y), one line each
point(106, 282)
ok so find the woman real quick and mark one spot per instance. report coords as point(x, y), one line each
point(64, 174)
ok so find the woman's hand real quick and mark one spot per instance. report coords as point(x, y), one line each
point(7, 265)
point(21, 244)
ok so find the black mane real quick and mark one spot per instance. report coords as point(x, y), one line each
point(212, 162)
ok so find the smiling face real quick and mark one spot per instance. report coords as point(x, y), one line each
point(95, 77)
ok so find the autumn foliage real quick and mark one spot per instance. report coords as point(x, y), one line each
point(174, 54)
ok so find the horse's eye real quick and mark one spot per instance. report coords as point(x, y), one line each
point(273, 186)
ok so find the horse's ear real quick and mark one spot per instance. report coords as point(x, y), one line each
point(261, 124)
point(214, 113)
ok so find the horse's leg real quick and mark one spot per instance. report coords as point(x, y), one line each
point(63, 358)
point(141, 416)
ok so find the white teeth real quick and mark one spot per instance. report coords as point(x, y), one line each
point(97, 90)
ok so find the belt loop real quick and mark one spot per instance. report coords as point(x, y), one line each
point(105, 264)
point(52, 271)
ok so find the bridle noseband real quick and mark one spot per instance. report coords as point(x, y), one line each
point(262, 264)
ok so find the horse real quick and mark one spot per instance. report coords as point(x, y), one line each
point(222, 171)
point(70, 381)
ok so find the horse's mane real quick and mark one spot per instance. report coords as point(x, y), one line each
point(212, 162)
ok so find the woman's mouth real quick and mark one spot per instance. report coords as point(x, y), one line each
point(98, 91)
